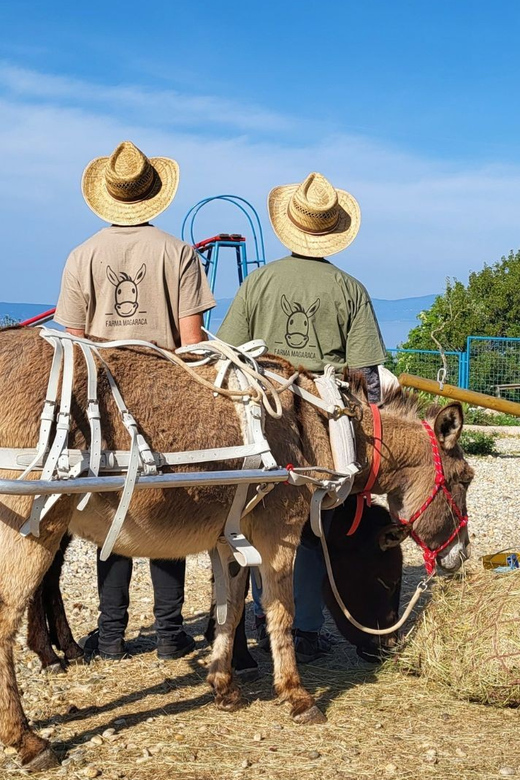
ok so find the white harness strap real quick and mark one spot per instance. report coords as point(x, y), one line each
point(49, 408)
point(139, 453)
point(243, 550)
point(342, 437)
point(330, 409)
point(94, 418)
point(12, 459)
point(220, 559)
point(57, 459)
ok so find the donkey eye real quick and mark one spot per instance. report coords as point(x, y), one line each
point(133, 290)
point(291, 321)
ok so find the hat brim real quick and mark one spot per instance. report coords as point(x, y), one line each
point(102, 203)
point(311, 244)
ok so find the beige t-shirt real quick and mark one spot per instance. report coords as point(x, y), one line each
point(132, 282)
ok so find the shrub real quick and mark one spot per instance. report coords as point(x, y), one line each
point(478, 443)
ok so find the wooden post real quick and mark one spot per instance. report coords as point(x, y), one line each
point(460, 394)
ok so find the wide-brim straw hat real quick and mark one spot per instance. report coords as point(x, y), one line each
point(128, 188)
point(314, 218)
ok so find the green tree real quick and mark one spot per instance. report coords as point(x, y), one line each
point(7, 321)
point(489, 305)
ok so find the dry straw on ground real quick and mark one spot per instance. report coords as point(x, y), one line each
point(468, 638)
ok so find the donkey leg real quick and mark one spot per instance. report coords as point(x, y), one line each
point(220, 677)
point(57, 618)
point(38, 635)
point(278, 604)
point(24, 563)
point(34, 752)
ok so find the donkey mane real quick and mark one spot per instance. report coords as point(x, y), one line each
point(410, 405)
point(16, 326)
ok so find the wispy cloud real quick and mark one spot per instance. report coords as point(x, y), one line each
point(167, 108)
point(423, 219)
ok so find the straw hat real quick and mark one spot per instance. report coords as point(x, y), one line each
point(314, 218)
point(127, 188)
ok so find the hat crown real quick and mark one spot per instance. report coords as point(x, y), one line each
point(129, 174)
point(314, 206)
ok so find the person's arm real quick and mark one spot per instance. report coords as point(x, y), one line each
point(235, 329)
point(194, 296)
point(190, 329)
point(365, 347)
point(372, 379)
point(71, 309)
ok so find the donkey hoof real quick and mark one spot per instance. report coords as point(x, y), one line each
point(47, 759)
point(312, 715)
point(58, 667)
point(78, 661)
point(230, 702)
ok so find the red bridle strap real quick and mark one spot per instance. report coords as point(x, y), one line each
point(430, 556)
point(365, 496)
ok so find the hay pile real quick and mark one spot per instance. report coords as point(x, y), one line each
point(468, 639)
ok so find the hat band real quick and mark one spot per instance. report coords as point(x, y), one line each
point(134, 190)
point(312, 231)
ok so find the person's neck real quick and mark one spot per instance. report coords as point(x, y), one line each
point(305, 257)
point(141, 224)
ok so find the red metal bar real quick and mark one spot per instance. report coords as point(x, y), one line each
point(220, 237)
point(46, 315)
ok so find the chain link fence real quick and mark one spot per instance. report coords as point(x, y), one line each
point(493, 366)
point(425, 363)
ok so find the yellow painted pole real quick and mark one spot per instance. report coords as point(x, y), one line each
point(460, 394)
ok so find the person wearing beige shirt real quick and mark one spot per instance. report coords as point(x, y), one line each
point(132, 280)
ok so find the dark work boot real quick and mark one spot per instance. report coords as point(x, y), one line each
point(308, 647)
point(176, 647)
point(109, 651)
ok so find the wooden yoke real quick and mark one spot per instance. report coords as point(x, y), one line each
point(460, 394)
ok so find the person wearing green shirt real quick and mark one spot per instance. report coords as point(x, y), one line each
point(311, 313)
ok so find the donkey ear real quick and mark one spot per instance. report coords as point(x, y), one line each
point(140, 274)
point(313, 308)
point(112, 277)
point(392, 536)
point(286, 306)
point(448, 425)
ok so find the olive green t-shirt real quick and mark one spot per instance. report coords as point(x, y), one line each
point(309, 312)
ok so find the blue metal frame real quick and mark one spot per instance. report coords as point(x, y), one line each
point(211, 261)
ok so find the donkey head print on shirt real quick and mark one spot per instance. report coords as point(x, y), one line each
point(126, 298)
point(297, 326)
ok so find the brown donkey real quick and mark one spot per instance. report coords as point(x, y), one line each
point(176, 413)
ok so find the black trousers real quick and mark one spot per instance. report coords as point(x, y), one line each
point(114, 577)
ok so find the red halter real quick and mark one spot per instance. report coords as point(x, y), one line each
point(430, 556)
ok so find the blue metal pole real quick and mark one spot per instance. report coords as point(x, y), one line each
point(462, 369)
point(468, 363)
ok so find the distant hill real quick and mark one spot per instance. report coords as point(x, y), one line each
point(22, 311)
point(396, 317)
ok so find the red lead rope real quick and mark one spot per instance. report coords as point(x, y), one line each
point(365, 496)
point(430, 556)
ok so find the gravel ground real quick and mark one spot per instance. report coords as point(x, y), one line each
point(114, 720)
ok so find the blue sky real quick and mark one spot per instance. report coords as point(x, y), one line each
point(411, 106)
